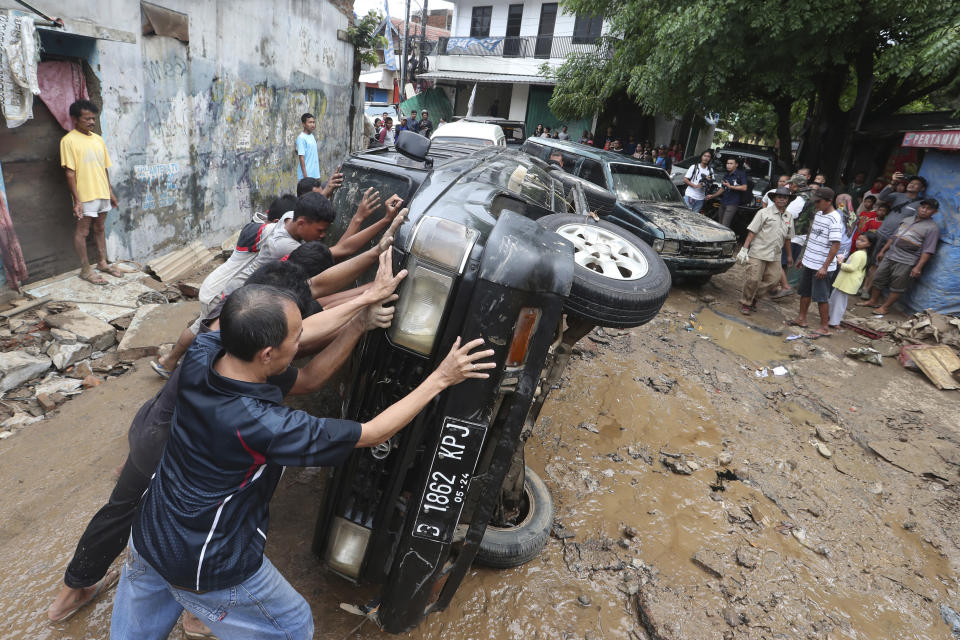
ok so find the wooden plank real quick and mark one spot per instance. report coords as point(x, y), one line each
point(938, 364)
point(25, 307)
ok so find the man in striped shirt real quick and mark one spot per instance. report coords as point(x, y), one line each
point(823, 242)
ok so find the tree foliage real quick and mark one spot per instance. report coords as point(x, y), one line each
point(362, 36)
point(843, 56)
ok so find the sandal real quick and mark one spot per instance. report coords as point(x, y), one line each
point(105, 583)
point(746, 309)
point(794, 323)
point(93, 278)
point(112, 269)
point(813, 335)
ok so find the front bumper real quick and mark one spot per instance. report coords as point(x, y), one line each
point(681, 266)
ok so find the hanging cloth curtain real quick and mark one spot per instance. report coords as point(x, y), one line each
point(61, 84)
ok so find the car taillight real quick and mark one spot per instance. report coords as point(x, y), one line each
point(522, 333)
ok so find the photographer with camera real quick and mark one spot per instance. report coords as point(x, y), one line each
point(698, 178)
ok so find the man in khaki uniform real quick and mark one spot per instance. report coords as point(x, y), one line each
point(768, 232)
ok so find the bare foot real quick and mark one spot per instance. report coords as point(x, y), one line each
point(69, 600)
point(193, 628)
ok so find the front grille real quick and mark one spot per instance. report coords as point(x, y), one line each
point(701, 249)
point(387, 374)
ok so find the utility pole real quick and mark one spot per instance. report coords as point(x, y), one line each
point(423, 38)
point(404, 53)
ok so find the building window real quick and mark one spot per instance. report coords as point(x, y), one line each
point(480, 22)
point(587, 29)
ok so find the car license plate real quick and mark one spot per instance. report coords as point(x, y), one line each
point(453, 465)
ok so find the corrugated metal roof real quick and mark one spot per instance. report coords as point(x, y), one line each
point(475, 76)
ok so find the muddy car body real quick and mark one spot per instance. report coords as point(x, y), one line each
point(648, 205)
point(411, 515)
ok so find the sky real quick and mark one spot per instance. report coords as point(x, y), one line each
point(397, 7)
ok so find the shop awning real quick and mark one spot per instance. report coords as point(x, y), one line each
point(948, 139)
point(476, 76)
point(376, 77)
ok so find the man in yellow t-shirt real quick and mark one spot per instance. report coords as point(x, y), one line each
point(84, 157)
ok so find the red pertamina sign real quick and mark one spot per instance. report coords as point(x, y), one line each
point(934, 139)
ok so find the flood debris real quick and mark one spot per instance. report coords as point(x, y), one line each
point(678, 463)
point(865, 354)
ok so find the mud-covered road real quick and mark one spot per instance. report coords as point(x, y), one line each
point(694, 499)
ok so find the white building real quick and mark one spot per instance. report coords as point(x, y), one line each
point(500, 46)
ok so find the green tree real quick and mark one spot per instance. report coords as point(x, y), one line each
point(848, 59)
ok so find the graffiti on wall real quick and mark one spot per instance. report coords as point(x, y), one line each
point(203, 156)
point(159, 184)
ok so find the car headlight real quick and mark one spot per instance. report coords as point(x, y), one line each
point(346, 547)
point(438, 252)
point(658, 245)
point(670, 247)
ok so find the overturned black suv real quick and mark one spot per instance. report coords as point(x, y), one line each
point(495, 248)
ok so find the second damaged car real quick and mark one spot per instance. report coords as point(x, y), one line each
point(498, 249)
point(640, 198)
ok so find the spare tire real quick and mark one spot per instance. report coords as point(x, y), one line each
point(505, 547)
point(618, 280)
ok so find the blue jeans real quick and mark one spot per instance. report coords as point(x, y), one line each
point(263, 606)
point(695, 205)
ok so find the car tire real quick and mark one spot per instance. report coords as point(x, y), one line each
point(629, 299)
point(505, 547)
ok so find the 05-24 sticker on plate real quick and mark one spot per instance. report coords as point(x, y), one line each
point(453, 465)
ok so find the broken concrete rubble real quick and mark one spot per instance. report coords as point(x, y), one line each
point(55, 384)
point(64, 355)
point(88, 329)
point(16, 367)
point(153, 325)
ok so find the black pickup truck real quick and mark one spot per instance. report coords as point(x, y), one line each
point(495, 248)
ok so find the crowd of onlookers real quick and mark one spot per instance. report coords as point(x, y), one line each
point(873, 239)
point(386, 130)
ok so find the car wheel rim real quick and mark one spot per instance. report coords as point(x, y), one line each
point(605, 252)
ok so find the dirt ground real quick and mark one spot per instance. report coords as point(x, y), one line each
point(694, 499)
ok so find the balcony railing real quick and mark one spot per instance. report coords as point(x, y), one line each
point(544, 47)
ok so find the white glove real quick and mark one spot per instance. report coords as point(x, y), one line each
point(743, 257)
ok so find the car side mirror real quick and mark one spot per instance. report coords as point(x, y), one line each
point(413, 145)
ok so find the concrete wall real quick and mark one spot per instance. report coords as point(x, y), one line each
point(202, 133)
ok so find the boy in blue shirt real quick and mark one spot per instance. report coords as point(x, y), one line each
point(308, 161)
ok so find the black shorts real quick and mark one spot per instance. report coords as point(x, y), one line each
point(810, 286)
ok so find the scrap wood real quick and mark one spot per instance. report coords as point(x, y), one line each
point(864, 331)
point(9, 313)
point(938, 364)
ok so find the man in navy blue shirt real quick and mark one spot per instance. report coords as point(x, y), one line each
point(734, 184)
point(198, 541)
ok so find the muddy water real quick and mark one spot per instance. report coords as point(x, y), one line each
point(756, 346)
